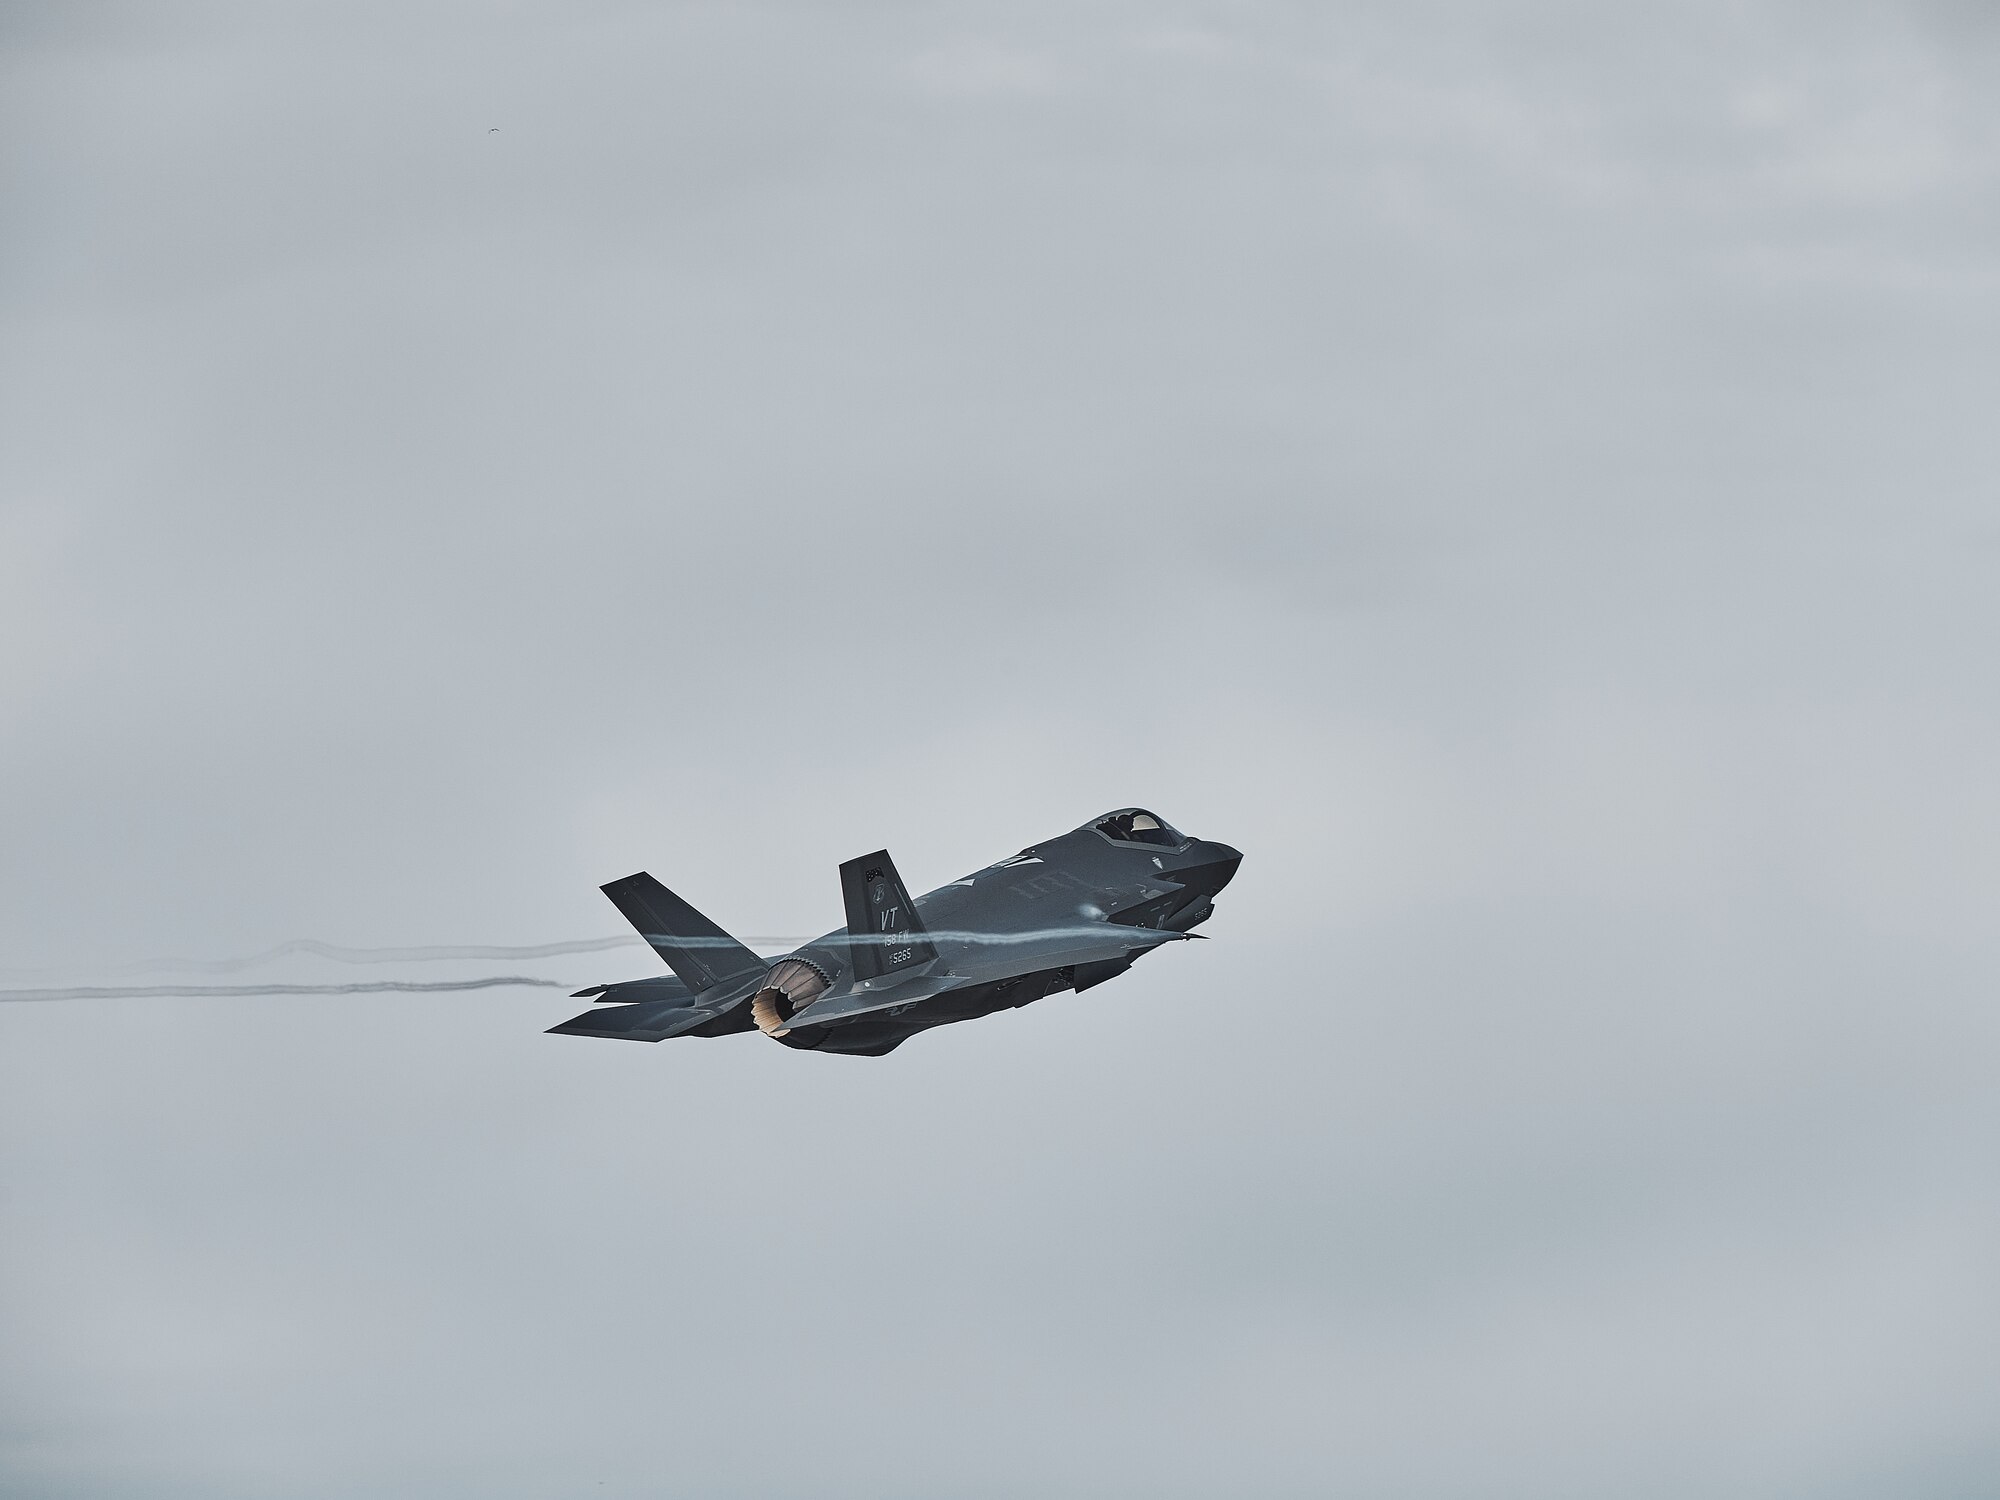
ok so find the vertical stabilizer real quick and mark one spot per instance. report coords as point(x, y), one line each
point(698, 951)
point(884, 935)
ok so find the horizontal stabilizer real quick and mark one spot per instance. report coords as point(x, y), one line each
point(638, 991)
point(652, 1022)
point(701, 954)
point(884, 935)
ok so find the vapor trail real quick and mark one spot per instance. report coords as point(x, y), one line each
point(979, 938)
point(203, 991)
point(339, 954)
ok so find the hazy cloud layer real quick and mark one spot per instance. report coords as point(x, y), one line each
point(1524, 474)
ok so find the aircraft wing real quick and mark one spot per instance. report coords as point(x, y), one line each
point(1003, 955)
point(860, 1001)
point(984, 958)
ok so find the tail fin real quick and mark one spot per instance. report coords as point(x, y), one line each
point(884, 935)
point(698, 951)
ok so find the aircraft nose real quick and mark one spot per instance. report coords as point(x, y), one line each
point(1219, 862)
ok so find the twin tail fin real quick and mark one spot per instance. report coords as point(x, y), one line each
point(700, 953)
point(884, 933)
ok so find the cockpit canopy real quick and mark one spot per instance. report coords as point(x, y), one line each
point(1134, 825)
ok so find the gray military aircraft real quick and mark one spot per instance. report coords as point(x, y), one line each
point(1062, 915)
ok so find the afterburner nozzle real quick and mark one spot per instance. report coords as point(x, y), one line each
point(787, 990)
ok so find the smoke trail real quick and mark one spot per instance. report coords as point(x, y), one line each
point(204, 991)
point(1092, 932)
point(431, 954)
point(427, 954)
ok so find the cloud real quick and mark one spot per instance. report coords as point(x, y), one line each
point(1522, 475)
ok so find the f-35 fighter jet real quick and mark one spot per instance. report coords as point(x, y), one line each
point(1062, 915)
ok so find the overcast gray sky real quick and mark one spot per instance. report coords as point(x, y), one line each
point(1524, 473)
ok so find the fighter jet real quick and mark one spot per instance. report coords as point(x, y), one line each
point(1065, 914)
